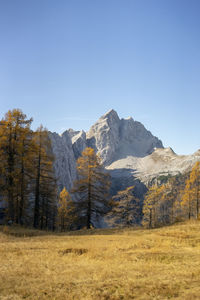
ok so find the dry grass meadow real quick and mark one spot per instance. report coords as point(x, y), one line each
point(101, 264)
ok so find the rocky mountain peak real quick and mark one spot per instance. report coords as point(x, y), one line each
point(103, 136)
point(72, 132)
point(110, 115)
point(114, 138)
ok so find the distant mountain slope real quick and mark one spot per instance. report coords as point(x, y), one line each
point(128, 150)
point(159, 162)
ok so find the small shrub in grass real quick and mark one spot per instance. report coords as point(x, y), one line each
point(5, 229)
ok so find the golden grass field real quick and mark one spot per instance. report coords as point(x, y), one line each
point(101, 264)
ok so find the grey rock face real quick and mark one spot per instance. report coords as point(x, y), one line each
point(111, 137)
point(115, 139)
point(136, 140)
point(79, 143)
point(65, 163)
point(72, 132)
point(127, 148)
point(162, 161)
point(103, 136)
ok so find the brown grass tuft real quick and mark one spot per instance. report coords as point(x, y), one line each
point(73, 250)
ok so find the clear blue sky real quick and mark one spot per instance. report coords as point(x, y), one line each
point(67, 62)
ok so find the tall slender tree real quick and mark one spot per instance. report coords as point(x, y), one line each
point(195, 182)
point(151, 205)
point(92, 187)
point(66, 211)
point(15, 136)
point(191, 197)
point(44, 181)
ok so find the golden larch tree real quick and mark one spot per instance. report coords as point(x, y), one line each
point(195, 183)
point(91, 188)
point(44, 183)
point(151, 206)
point(191, 196)
point(126, 208)
point(66, 211)
point(15, 167)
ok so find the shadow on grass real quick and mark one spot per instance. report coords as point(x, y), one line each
point(19, 231)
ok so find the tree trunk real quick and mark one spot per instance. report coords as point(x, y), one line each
point(89, 207)
point(42, 215)
point(10, 180)
point(150, 218)
point(189, 215)
point(37, 195)
point(21, 206)
point(89, 200)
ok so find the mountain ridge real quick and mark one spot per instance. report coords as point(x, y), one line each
point(128, 150)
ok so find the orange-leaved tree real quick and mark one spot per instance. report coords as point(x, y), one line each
point(126, 208)
point(15, 163)
point(66, 211)
point(44, 182)
point(91, 188)
point(191, 197)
